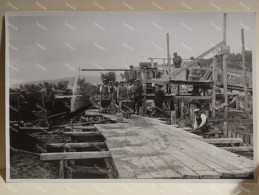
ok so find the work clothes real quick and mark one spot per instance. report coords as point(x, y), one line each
point(159, 97)
point(200, 122)
point(137, 93)
point(48, 101)
point(115, 93)
point(132, 75)
point(105, 92)
point(177, 60)
point(130, 92)
point(122, 93)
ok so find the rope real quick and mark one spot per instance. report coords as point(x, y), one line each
point(23, 151)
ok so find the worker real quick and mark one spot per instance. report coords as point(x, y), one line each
point(22, 105)
point(132, 73)
point(105, 95)
point(115, 92)
point(137, 93)
point(177, 60)
point(159, 97)
point(110, 85)
point(122, 93)
point(200, 121)
point(48, 100)
point(130, 90)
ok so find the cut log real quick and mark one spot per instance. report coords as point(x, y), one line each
point(239, 149)
point(76, 145)
point(223, 141)
point(34, 128)
point(81, 127)
point(82, 134)
point(74, 155)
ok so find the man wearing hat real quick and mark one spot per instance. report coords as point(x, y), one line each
point(200, 121)
point(132, 73)
point(137, 93)
point(177, 60)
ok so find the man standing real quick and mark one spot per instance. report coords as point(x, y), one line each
point(132, 73)
point(159, 97)
point(177, 60)
point(200, 121)
point(122, 92)
point(105, 94)
point(48, 100)
point(130, 90)
point(115, 91)
point(22, 105)
point(137, 93)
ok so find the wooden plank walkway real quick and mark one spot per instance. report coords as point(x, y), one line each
point(146, 148)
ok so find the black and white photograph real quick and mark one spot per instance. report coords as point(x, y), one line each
point(136, 96)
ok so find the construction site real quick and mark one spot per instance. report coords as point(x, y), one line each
point(87, 141)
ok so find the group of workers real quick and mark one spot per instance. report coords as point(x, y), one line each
point(121, 91)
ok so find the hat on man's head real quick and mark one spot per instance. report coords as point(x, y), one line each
point(175, 53)
point(131, 66)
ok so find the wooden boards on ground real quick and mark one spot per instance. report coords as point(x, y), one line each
point(146, 148)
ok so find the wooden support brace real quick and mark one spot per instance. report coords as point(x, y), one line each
point(76, 145)
point(74, 155)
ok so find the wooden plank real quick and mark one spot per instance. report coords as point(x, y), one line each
point(178, 167)
point(74, 155)
point(165, 167)
point(34, 128)
point(76, 145)
point(189, 97)
point(238, 149)
point(223, 140)
point(124, 169)
point(82, 134)
point(81, 127)
point(151, 167)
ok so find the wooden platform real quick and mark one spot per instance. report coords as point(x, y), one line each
point(145, 148)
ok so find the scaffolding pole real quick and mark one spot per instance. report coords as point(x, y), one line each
point(244, 69)
point(215, 61)
point(168, 51)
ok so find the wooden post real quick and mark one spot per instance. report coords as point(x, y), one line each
point(225, 28)
point(214, 85)
point(61, 169)
point(173, 117)
point(225, 129)
point(182, 114)
point(225, 58)
point(244, 70)
point(168, 51)
point(152, 63)
point(144, 92)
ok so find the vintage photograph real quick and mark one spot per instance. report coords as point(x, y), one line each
point(120, 95)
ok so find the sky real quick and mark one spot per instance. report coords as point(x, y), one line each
point(45, 46)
